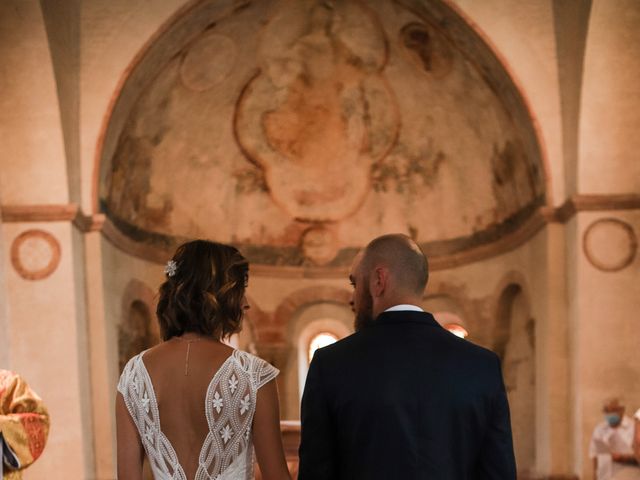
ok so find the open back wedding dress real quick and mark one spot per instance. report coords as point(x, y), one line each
point(227, 452)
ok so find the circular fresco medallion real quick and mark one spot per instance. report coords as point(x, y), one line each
point(610, 244)
point(35, 254)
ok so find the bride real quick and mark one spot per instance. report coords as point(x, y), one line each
point(193, 405)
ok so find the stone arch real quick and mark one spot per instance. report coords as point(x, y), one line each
point(502, 330)
point(138, 329)
point(310, 330)
point(513, 284)
point(290, 305)
point(253, 323)
point(453, 300)
point(514, 342)
point(300, 314)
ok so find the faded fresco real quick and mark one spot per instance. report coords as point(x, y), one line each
point(300, 130)
point(320, 113)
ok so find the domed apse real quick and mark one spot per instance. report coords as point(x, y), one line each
point(300, 133)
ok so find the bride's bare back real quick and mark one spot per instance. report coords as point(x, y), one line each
point(197, 411)
point(181, 390)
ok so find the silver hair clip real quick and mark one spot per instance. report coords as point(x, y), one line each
point(170, 268)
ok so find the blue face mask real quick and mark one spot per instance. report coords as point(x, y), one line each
point(613, 419)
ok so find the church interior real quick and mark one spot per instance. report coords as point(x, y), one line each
point(501, 135)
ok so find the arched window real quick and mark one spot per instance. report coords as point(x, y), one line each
point(316, 334)
point(320, 340)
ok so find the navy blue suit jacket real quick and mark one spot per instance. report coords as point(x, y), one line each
point(405, 399)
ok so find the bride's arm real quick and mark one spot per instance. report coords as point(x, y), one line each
point(267, 439)
point(130, 450)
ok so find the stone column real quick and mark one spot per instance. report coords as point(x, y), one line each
point(553, 412)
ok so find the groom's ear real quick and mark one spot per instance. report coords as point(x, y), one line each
point(379, 281)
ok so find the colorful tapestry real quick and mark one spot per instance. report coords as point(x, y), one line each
point(24, 425)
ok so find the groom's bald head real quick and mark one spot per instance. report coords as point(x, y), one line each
point(402, 257)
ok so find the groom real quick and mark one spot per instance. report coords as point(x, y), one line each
point(402, 398)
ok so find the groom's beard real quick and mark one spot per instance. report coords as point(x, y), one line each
point(364, 315)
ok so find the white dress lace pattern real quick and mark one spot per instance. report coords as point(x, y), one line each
point(227, 452)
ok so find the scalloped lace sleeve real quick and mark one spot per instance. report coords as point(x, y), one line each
point(125, 376)
point(260, 371)
point(263, 373)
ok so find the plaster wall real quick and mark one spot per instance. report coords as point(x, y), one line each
point(47, 338)
point(269, 291)
point(112, 33)
point(609, 142)
point(33, 161)
point(607, 337)
point(522, 33)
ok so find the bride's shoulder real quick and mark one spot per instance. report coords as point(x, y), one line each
point(130, 373)
point(245, 359)
point(132, 363)
point(259, 369)
point(137, 359)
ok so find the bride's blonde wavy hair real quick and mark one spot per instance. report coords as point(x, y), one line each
point(204, 292)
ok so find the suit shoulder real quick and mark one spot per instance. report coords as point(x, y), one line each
point(342, 347)
point(481, 353)
point(477, 358)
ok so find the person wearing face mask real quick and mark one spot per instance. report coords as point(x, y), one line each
point(636, 437)
point(611, 446)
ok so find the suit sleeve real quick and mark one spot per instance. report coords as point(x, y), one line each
point(317, 455)
point(497, 460)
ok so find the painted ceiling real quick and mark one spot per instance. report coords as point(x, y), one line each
point(301, 130)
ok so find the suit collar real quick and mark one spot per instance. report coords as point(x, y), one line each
point(407, 316)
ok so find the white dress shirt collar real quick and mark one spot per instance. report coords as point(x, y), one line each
point(404, 307)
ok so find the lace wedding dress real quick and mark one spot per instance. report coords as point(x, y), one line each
point(227, 452)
